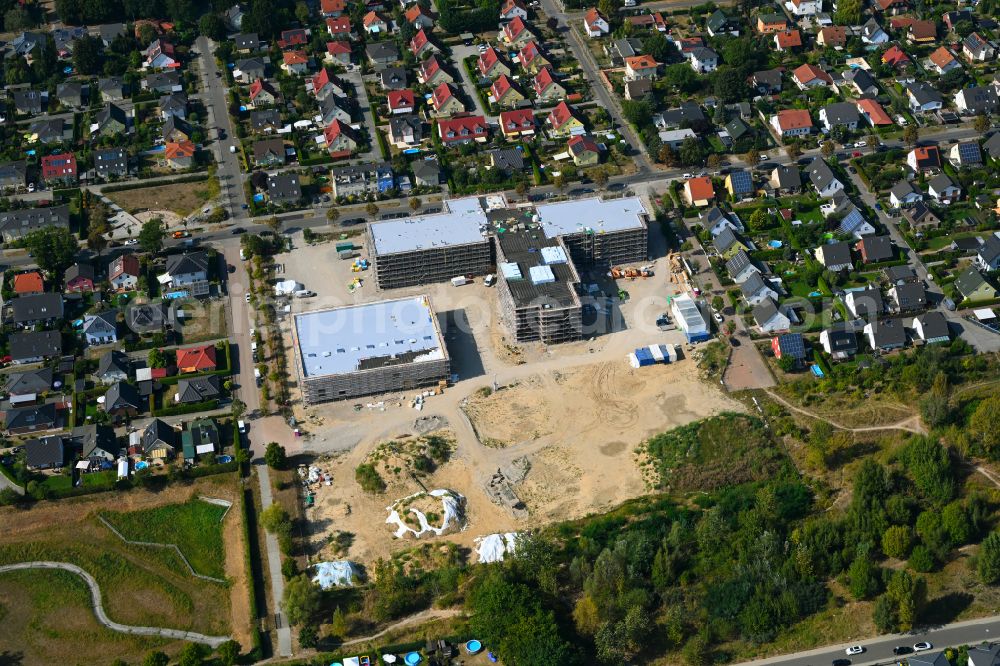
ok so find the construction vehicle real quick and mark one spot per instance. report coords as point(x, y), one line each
point(619, 272)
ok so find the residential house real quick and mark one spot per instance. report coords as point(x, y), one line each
point(200, 438)
point(149, 317)
point(261, 94)
point(923, 158)
point(638, 89)
point(896, 275)
point(293, 37)
point(943, 189)
point(15, 224)
point(401, 102)
point(283, 188)
point(840, 114)
point(516, 33)
point(904, 194)
point(490, 65)
point(433, 74)
point(562, 122)
point(977, 48)
point(833, 36)
point(923, 98)
point(79, 278)
point(921, 32)
point(29, 102)
point(786, 180)
point(977, 100)
point(875, 249)
point(179, 154)
point(265, 121)
point(362, 180)
point(965, 154)
point(769, 318)
point(34, 418)
point(720, 23)
point(873, 34)
point(728, 243)
point(426, 173)
point(50, 130)
point(246, 42)
point(810, 76)
point(27, 284)
point(419, 18)
point(992, 146)
point(908, 297)
point(295, 62)
point(332, 108)
point(547, 89)
point(160, 54)
point(109, 32)
point(382, 53)
point(13, 175)
point(584, 151)
point(375, 24)
point(406, 131)
point(787, 40)
point(123, 272)
point(595, 25)
point(840, 342)
point(96, 443)
point(943, 61)
point(853, 222)
point(823, 179)
point(531, 58)
point(504, 93)
point(467, 129)
point(338, 52)
point(445, 101)
point(508, 160)
point(196, 359)
point(163, 82)
point(122, 401)
point(198, 389)
point(885, 334)
point(792, 122)
point(920, 217)
point(715, 220)
point(174, 104)
point(988, 255)
point(176, 129)
point(512, 9)
point(789, 346)
point(699, 191)
point(109, 121)
point(688, 114)
point(800, 8)
point(34, 346)
point(974, 286)
point(771, 23)
point(932, 328)
point(892, 7)
point(59, 169)
point(873, 112)
point(740, 267)
point(640, 67)
point(45, 453)
point(332, 8)
point(29, 382)
point(895, 57)
point(340, 139)
point(69, 94)
point(158, 439)
point(703, 59)
point(248, 70)
point(269, 153)
point(187, 271)
point(518, 123)
point(100, 328)
point(863, 83)
point(755, 289)
point(834, 256)
point(324, 84)
point(421, 44)
point(340, 29)
point(739, 184)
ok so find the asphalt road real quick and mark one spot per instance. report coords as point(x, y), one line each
point(879, 650)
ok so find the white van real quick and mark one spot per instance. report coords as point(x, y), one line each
point(242, 426)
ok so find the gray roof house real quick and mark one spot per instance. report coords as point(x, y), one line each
point(70, 94)
point(885, 334)
point(382, 53)
point(37, 309)
point(988, 255)
point(863, 82)
point(264, 121)
point(284, 188)
point(15, 224)
point(34, 346)
point(741, 267)
point(122, 399)
point(392, 78)
point(175, 104)
point(112, 88)
point(100, 328)
point(188, 270)
point(111, 162)
point(755, 289)
point(13, 174)
point(427, 172)
point(770, 318)
point(908, 297)
point(113, 366)
point(786, 179)
point(834, 256)
point(45, 452)
point(246, 41)
point(149, 317)
point(823, 178)
point(250, 69)
point(110, 120)
point(51, 130)
point(36, 418)
point(29, 382)
point(984, 655)
point(163, 82)
point(158, 435)
point(840, 114)
point(840, 342)
point(29, 102)
point(95, 442)
point(109, 32)
point(197, 389)
point(864, 302)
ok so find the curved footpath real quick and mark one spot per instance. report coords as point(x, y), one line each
point(95, 595)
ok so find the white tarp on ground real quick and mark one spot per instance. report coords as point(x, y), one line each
point(493, 547)
point(451, 510)
point(286, 288)
point(984, 314)
point(338, 573)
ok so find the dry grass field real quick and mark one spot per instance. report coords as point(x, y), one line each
point(180, 198)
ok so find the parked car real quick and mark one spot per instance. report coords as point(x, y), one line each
point(922, 646)
point(181, 234)
point(854, 649)
point(902, 649)
point(237, 230)
point(248, 297)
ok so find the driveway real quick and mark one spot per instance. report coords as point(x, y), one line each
point(458, 54)
point(374, 154)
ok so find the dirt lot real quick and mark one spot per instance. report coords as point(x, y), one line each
point(139, 585)
point(181, 198)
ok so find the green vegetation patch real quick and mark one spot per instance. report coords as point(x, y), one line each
point(194, 526)
point(720, 451)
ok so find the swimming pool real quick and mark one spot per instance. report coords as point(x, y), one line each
point(142, 464)
point(473, 646)
point(775, 244)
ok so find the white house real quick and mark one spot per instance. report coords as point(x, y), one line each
point(770, 318)
point(932, 327)
point(755, 289)
point(872, 33)
point(703, 59)
point(594, 24)
point(903, 194)
point(804, 7)
point(943, 189)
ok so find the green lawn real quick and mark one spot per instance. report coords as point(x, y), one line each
point(941, 242)
point(195, 527)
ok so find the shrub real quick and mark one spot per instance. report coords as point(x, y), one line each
point(368, 478)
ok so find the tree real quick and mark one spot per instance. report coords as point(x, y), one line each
point(713, 161)
point(930, 466)
point(371, 209)
point(308, 636)
point(274, 456)
point(88, 55)
point(921, 559)
point(759, 220)
point(559, 182)
point(864, 577)
point(238, 408)
point(934, 406)
point(229, 652)
point(667, 156)
point(212, 26)
point(338, 625)
point(17, 19)
point(415, 204)
point(982, 123)
point(955, 521)
point(273, 223)
point(896, 541)
point(332, 214)
point(828, 148)
point(793, 150)
point(988, 561)
point(193, 654)
point(911, 135)
point(96, 241)
point(910, 594)
point(151, 235)
point(156, 658)
point(53, 249)
point(730, 85)
point(600, 178)
point(885, 615)
point(302, 600)
point(157, 358)
point(752, 157)
point(984, 424)
point(692, 152)
point(848, 12)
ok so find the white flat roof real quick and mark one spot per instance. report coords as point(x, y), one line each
point(984, 314)
point(579, 215)
point(459, 223)
point(688, 315)
point(339, 340)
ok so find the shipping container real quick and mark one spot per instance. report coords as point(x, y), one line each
point(459, 281)
point(657, 352)
point(348, 245)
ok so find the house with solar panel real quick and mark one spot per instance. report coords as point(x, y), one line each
point(717, 220)
point(741, 267)
point(854, 223)
point(791, 346)
point(840, 342)
point(966, 154)
point(739, 184)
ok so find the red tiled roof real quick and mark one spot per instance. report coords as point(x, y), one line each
point(462, 128)
point(807, 72)
point(429, 68)
point(700, 188)
point(419, 41)
point(874, 111)
point(560, 115)
point(175, 149)
point(259, 86)
point(401, 99)
point(55, 166)
point(833, 35)
point(789, 119)
point(338, 48)
point(372, 18)
point(501, 87)
point(942, 57)
point(923, 30)
point(321, 79)
point(196, 359)
point(415, 12)
point(294, 37)
point(517, 121)
point(339, 26)
point(295, 57)
point(514, 29)
point(887, 4)
point(592, 16)
point(336, 129)
point(579, 144)
point(543, 80)
point(332, 6)
point(487, 60)
point(28, 283)
point(529, 52)
point(510, 5)
point(441, 95)
point(895, 56)
point(641, 62)
point(788, 39)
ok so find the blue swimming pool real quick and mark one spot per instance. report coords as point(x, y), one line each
point(816, 370)
point(775, 244)
point(473, 647)
point(142, 464)
point(815, 294)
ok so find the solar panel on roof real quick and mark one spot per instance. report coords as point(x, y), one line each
point(793, 345)
point(741, 181)
point(969, 152)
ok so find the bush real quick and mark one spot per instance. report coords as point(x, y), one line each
point(368, 478)
point(274, 456)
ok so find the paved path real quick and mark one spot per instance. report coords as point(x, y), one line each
point(7, 483)
point(102, 617)
point(274, 568)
